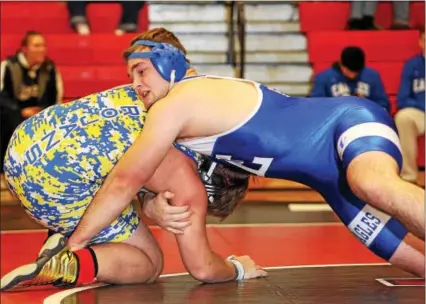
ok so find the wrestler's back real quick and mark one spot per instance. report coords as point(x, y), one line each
point(283, 137)
point(89, 134)
point(210, 100)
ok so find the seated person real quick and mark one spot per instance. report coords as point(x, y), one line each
point(350, 77)
point(362, 15)
point(410, 119)
point(128, 21)
point(29, 83)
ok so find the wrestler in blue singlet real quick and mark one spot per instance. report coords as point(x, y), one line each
point(312, 141)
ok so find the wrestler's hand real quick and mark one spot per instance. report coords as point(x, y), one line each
point(251, 269)
point(171, 218)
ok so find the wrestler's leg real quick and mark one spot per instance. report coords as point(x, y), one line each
point(409, 256)
point(137, 260)
point(369, 148)
point(372, 200)
point(124, 252)
point(137, 266)
point(383, 235)
point(373, 177)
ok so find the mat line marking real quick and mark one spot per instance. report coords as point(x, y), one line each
point(59, 296)
point(386, 283)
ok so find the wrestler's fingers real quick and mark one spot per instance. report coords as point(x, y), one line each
point(175, 209)
point(174, 231)
point(180, 225)
point(167, 194)
point(178, 216)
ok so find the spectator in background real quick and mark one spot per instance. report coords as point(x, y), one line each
point(350, 77)
point(410, 119)
point(29, 83)
point(362, 15)
point(128, 22)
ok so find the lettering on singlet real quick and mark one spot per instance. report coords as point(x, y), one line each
point(53, 138)
point(368, 223)
point(264, 163)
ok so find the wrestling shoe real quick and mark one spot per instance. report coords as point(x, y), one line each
point(56, 265)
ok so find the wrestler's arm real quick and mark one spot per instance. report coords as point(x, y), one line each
point(178, 174)
point(163, 125)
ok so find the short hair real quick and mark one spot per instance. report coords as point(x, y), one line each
point(353, 58)
point(226, 188)
point(28, 35)
point(160, 35)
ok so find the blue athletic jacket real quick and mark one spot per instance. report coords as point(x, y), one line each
point(332, 83)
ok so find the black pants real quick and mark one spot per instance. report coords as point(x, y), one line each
point(77, 10)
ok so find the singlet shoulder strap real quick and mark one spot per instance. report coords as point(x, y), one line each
point(192, 77)
point(218, 77)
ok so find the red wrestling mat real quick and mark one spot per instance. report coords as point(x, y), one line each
point(268, 245)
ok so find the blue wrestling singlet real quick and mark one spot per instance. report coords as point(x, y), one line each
point(312, 141)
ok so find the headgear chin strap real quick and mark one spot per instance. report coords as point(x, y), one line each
point(168, 60)
point(172, 79)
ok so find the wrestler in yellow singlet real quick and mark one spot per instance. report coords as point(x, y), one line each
point(58, 159)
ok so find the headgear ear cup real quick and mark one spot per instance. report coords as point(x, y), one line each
point(166, 58)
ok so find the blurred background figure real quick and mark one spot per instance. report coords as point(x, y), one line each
point(128, 21)
point(410, 119)
point(362, 15)
point(29, 83)
point(350, 77)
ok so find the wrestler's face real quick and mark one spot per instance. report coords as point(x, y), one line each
point(147, 82)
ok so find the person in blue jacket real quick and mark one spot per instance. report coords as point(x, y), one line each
point(410, 119)
point(350, 77)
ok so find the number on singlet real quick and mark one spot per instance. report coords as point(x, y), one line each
point(264, 163)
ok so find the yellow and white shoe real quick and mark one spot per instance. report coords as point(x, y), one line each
point(56, 265)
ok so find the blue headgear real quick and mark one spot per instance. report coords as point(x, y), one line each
point(168, 60)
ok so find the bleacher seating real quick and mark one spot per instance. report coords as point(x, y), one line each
point(83, 80)
point(378, 45)
point(71, 49)
point(92, 63)
point(87, 63)
point(53, 18)
point(386, 51)
point(320, 16)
